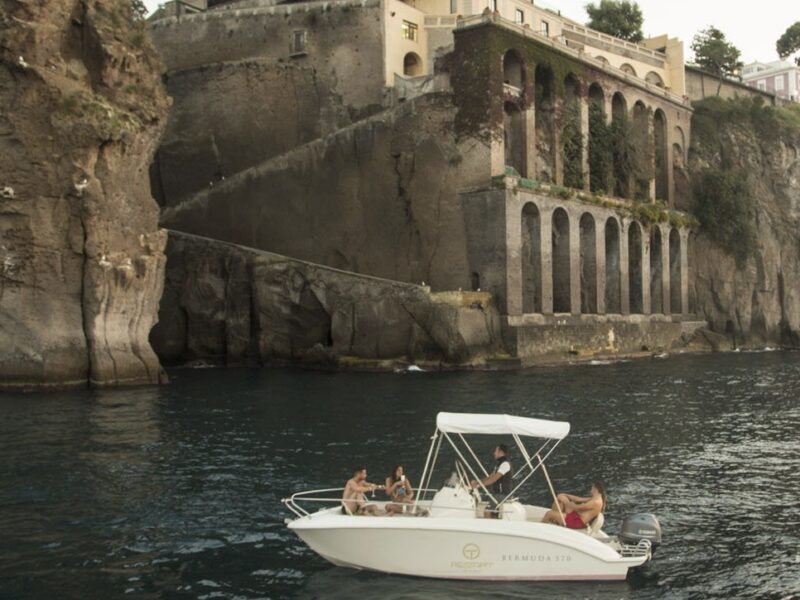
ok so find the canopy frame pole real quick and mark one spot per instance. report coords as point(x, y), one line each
point(524, 450)
point(427, 461)
point(533, 470)
point(479, 463)
point(433, 462)
point(552, 490)
point(471, 470)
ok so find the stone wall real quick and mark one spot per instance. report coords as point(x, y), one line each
point(242, 95)
point(538, 339)
point(235, 305)
point(81, 255)
point(379, 198)
point(701, 84)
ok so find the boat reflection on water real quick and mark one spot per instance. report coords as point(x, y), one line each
point(344, 584)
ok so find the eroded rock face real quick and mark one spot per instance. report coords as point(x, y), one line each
point(234, 305)
point(81, 254)
point(755, 301)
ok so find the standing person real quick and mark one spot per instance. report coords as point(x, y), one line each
point(499, 481)
point(354, 502)
point(578, 511)
point(398, 487)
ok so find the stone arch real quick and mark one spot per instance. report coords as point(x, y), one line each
point(602, 59)
point(572, 133)
point(544, 101)
point(613, 280)
point(680, 137)
point(675, 274)
point(412, 65)
point(588, 258)
point(680, 179)
point(635, 268)
point(531, 259)
point(514, 137)
point(561, 262)
point(656, 274)
point(599, 157)
point(627, 68)
point(654, 78)
point(643, 149)
point(514, 69)
point(619, 126)
point(661, 155)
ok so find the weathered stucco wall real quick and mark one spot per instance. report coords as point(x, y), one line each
point(237, 305)
point(379, 198)
point(241, 95)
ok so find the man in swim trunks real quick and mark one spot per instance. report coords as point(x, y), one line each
point(353, 500)
point(577, 511)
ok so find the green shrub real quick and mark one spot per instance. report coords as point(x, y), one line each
point(724, 205)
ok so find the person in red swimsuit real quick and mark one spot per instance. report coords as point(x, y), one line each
point(576, 512)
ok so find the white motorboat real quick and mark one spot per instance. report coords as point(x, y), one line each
point(445, 533)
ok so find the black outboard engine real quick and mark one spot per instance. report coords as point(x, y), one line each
point(641, 526)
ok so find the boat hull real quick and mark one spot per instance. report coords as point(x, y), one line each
point(471, 549)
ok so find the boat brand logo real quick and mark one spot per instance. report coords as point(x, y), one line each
point(471, 551)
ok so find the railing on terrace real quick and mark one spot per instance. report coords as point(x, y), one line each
point(610, 39)
point(560, 46)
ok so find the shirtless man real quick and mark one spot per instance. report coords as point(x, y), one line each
point(353, 500)
point(577, 511)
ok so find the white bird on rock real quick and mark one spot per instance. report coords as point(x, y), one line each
point(22, 63)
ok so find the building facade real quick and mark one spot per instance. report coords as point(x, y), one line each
point(495, 147)
point(781, 78)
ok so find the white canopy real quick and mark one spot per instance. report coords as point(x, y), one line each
point(501, 424)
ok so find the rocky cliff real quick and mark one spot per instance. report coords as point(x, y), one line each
point(231, 305)
point(81, 254)
point(746, 258)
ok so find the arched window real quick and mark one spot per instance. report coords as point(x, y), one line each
point(588, 255)
point(562, 290)
point(412, 65)
point(545, 123)
point(654, 78)
point(599, 157)
point(513, 70)
point(572, 134)
point(531, 260)
point(613, 289)
point(635, 267)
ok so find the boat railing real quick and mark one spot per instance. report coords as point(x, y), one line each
point(332, 496)
point(643, 548)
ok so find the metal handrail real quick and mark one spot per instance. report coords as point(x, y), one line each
point(292, 502)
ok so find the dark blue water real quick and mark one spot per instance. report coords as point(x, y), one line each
point(175, 492)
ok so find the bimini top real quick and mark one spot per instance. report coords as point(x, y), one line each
point(501, 424)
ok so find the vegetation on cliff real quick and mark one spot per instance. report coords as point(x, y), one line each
point(745, 164)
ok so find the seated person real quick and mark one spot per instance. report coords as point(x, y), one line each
point(576, 511)
point(354, 502)
point(398, 487)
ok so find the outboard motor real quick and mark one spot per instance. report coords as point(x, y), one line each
point(641, 526)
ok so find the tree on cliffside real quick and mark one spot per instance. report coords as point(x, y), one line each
point(139, 10)
point(620, 18)
point(789, 43)
point(714, 53)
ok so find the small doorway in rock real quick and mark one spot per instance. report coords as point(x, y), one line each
point(475, 282)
